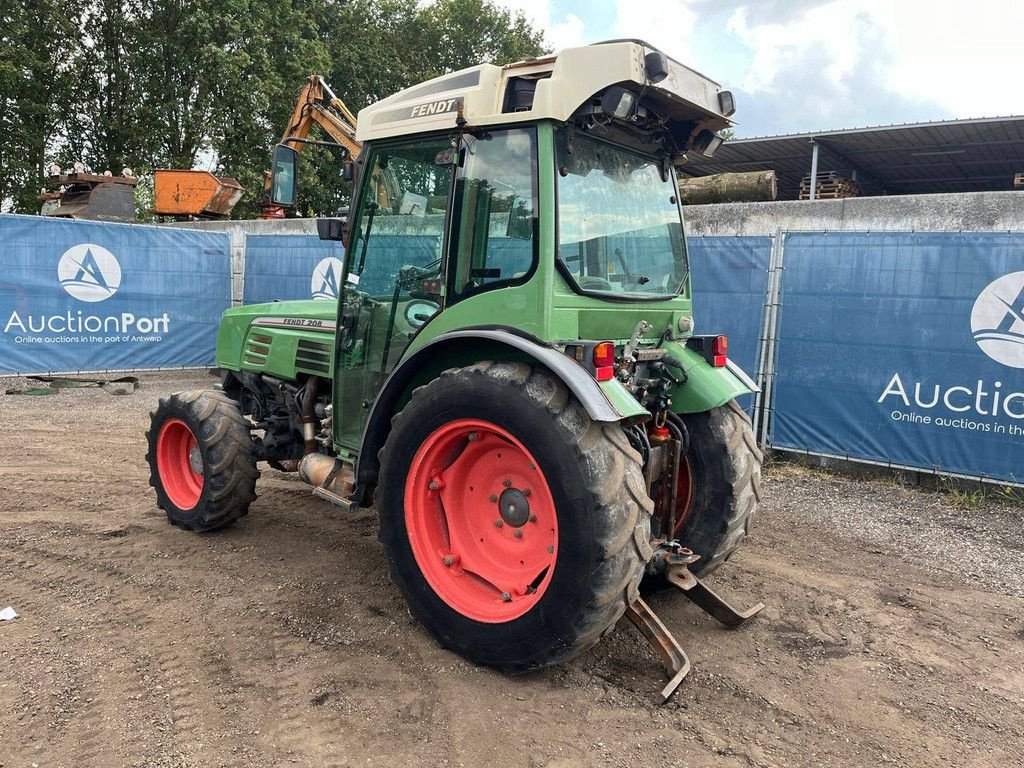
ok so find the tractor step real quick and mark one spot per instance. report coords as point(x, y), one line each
point(642, 616)
point(673, 657)
point(708, 600)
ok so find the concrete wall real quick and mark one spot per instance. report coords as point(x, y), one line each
point(965, 212)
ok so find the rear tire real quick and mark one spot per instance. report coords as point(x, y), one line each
point(597, 525)
point(725, 478)
point(201, 460)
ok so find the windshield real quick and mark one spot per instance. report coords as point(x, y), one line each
point(619, 231)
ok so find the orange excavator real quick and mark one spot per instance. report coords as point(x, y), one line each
point(317, 105)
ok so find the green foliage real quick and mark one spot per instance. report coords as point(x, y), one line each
point(968, 495)
point(211, 83)
point(35, 85)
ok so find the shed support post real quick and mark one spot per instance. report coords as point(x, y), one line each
point(814, 170)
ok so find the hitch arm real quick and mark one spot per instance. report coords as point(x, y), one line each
point(673, 657)
point(707, 599)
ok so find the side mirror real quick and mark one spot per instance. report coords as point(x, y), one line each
point(348, 171)
point(282, 180)
point(330, 229)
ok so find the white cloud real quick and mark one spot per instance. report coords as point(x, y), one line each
point(959, 57)
point(564, 32)
point(776, 45)
point(965, 56)
point(666, 25)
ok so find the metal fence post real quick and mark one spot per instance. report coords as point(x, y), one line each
point(763, 404)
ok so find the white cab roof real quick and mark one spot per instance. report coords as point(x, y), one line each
point(564, 83)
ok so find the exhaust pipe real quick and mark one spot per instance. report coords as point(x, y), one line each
point(310, 423)
point(326, 473)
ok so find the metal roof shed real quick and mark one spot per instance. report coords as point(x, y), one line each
point(975, 155)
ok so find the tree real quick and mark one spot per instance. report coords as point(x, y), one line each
point(35, 88)
point(463, 33)
point(211, 83)
point(100, 122)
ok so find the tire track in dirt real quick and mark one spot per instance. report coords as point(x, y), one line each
point(194, 699)
point(95, 727)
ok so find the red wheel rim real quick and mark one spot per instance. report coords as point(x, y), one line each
point(481, 521)
point(684, 496)
point(180, 464)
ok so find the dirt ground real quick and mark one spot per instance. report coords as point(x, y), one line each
point(893, 633)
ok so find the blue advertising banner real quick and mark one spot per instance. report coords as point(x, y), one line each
point(89, 296)
point(730, 283)
point(284, 267)
point(904, 348)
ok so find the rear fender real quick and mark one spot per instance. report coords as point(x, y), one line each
point(706, 387)
point(605, 402)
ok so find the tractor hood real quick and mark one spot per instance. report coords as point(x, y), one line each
point(244, 331)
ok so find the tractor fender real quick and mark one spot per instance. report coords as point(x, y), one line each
point(706, 387)
point(600, 404)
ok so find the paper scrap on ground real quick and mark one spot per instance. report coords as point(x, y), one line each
point(7, 614)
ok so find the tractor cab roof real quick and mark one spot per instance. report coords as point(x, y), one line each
point(554, 87)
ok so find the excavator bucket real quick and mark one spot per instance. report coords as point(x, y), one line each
point(197, 194)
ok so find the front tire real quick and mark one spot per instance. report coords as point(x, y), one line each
point(201, 460)
point(505, 585)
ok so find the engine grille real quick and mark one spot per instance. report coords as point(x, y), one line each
point(314, 357)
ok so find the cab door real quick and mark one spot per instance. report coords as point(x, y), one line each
point(393, 282)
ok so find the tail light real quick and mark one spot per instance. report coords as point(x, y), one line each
point(714, 349)
point(720, 351)
point(604, 361)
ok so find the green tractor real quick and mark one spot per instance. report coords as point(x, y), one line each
point(509, 374)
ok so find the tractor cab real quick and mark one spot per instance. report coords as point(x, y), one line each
point(539, 196)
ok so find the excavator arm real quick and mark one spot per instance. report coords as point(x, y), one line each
point(317, 104)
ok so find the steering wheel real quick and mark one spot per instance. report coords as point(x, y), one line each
point(595, 284)
point(419, 310)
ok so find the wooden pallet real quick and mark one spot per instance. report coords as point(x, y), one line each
point(1018, 180)
point(830, 186)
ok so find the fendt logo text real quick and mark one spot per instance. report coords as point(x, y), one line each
point(998, 320)
point(89, 272)
point(324, 284)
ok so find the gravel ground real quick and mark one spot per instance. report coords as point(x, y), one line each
point(893, 632)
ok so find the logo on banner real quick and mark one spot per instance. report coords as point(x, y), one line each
point(89, 272)
point(997, 320)
point(326, 274)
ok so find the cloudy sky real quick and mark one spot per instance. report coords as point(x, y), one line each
point(804, 65)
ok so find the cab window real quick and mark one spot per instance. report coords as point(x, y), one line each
point(495, 212)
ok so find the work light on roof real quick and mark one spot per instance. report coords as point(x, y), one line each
point(707, 143)
point(618, 103)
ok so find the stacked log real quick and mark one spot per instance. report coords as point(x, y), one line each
point(749, 187)
point(830, 186)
